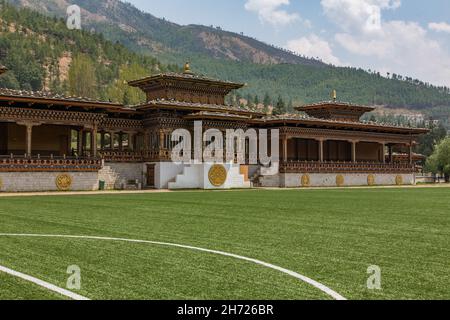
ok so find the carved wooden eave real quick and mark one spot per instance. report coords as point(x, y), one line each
point(185, 106)
point(124, 125)
point(205, 115)
point(334, 110)
point(50, 116)
point(340, 125)
point(48, 100)
point(183, 80)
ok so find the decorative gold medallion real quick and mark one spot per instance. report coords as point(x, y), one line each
point(217, 175)
point(399, 180)
point(340, 180)
point(63, 182)
point(306, 181)
point(371, 180)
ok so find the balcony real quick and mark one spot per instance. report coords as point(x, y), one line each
point(14, 163)
point(346, 167)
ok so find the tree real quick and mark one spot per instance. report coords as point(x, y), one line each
point(82, 78)
point(439, 161)
point(280, 107)
point(267, 100)
point(428, 142)
point(120, 91)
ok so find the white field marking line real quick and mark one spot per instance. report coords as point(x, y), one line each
point(296, 275)
point(43, 284)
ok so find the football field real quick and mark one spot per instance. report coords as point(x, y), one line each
point(261, 244)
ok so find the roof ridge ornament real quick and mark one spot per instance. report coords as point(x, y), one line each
point(187, 68)
point(334, 95)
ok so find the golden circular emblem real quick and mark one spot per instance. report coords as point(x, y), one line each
point(371, 180)
point(340, 180)
point(399, 180)
point(217, 175)
point(63, 182)
point(306, 180)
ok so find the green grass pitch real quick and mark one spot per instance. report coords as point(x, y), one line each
point(331, 236)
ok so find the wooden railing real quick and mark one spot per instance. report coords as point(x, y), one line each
point(345, 167)
point(14, 163)
point(135, 156)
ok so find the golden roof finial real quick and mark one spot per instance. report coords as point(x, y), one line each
point(187, 68)
point(334, 95)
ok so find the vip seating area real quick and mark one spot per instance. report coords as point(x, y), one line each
point(52, 142)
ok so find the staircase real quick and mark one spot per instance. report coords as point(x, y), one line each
point(110, 177)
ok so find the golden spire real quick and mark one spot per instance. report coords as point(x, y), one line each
point(334, 95)
point(187, 68)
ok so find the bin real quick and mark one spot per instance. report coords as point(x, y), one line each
point(101, 185)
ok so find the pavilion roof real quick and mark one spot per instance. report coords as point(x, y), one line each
point(174, 104)
point(46, 97)
point(334, 105)
point(185, 77)
point(361, 125)
point(216, 115)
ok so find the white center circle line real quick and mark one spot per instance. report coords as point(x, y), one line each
point(291, 273)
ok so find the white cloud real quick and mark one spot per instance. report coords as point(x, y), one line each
point(393, 46)
point(315, 47)
point(269, 11)
point(439, 27)
point(403, 48)
point(358, 15)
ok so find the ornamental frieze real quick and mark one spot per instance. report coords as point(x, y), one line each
point(327, 134)
point(11, 114)
point(114, 124)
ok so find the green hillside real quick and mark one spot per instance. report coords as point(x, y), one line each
point(218, 53)
point(42, 54)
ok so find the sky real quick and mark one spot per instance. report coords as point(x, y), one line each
point(406, 37)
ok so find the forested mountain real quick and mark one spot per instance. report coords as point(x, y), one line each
point(143, 32)
point(278, 78)
point(269, 71)
point(42, 54)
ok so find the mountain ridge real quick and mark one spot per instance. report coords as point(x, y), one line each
point(151, 34)
point(220, 54)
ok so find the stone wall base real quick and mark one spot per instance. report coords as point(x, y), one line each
point(115, 175)
point(48, 181)
point(293, 180)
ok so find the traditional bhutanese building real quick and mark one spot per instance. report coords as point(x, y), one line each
point(52, 142)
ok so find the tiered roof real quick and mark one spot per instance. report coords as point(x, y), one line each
point(205, 107)
point(295, 119)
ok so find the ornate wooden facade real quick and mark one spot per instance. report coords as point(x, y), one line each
point(44, 132)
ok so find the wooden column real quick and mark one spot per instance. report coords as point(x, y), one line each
point(111, 138)
point(29, 138)
point(390, 154)
point(410, 154)
point(80, 143)
point(29, 135)
point(94, 142)
point(285, 151)
point(102, 140)
point(354, 151)
point(120, 141)
point(383, 153)
point(131, 140)
point(161, 140)
point(321, 150)
point(146, 141)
